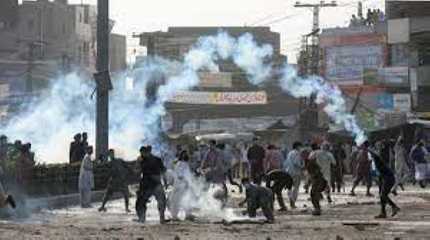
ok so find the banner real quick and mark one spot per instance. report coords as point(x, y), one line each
point(220, 98)
point(346, 64)
point(402, 102)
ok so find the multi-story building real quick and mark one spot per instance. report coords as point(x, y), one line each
point(409, 46)
point(224, 100)
point(117, 52)
point(58, 31)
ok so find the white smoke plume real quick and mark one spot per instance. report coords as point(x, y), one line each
point(327, 94)
point(50, 122)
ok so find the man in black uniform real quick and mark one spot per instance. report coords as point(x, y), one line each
point(281, 180)
point(387, 180)
point(152, 169)
point(258, 197)
point(117, 181)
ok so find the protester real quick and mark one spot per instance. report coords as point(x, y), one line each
point(318, 185)
point(5, 199)
point(227, 156)
point(182, 191)
point(86, 178)
point(256, 154)
point(401, 166)
point(418, 155)
point(363, 169)
point(325, 160)
point(294, 167)
point(273, 159)
point(118, 181)
point(213, 168)
point(151, 171)
point(337, 171)
point(387, 183)
point(278, 180)
point(258, 197)
point(77, 149)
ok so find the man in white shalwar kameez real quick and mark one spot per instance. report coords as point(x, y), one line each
point(86, 179)
point(182, 197)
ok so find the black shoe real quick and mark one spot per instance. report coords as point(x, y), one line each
point(11, 201)
point(102, 209)
point(284, 209)
point(381, 216)
point(394, 192)
point(401, 187)
point(316, 212)
point(395, 211)
point(352, 194)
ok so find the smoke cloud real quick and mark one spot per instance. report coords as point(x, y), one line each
point(50, 122)
point(327, 94)
point(138, 102)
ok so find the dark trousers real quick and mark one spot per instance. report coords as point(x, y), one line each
point(111, 190)
point(143, 196)
point(386, 186)
point(318, 185)
point(266, 207)
point(366, 176)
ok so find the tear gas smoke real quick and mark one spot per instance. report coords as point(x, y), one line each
point(66, 109)
point(136, 108)
point(327, 94)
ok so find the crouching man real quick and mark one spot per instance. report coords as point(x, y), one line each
point(278, 180)
point(258, 197)
point(5, 199)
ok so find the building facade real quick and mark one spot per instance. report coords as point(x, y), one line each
point(224, 100)
point(409, 44)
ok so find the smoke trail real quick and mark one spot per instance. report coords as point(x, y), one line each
point(66, 109)
point(327, 94)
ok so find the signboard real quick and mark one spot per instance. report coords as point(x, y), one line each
point(387, 76)
point(345, 64)
point(215, 80)
point(402, 102)
point(394, 75)
point(220, 98)
point(385, 101)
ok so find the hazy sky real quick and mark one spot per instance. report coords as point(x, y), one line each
point(140, 15)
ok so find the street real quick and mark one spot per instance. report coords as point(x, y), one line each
point(347, 218)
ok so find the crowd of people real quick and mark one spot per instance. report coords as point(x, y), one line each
point(320, 166)
point(16, 160)
point(373, 16)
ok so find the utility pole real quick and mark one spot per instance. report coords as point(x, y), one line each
point(103, 83)
point(316, 8)
point(309, 60)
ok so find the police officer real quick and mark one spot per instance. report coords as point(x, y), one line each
point(152, 169)
point(281, 180)
point(117, 181)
